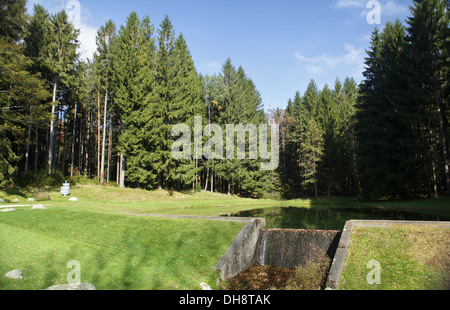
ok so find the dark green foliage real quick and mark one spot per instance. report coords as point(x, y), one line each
point(385, 138)
point(21, 92)
point(133, 58)
point(403, 146)
point(318, 155)
point(232, 98)
point(12, 20)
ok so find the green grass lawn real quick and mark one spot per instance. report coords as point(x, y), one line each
point(411, 257)
point(118, 251)
point(114, 251)
point(113, 200)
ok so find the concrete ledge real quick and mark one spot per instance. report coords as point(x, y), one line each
point(339, 257)
point(239, 256)
point(341, 252)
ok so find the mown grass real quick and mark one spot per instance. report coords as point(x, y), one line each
point(411, 257)
point(115, 251)
point(98, 198)
point(118, 251)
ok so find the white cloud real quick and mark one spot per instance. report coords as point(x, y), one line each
point(76, 13)
point(352, 57)
point(351, 61)
point(388, 7)
point(391, 8)
point(340, 4)
point(88, 45)
point(87, 34)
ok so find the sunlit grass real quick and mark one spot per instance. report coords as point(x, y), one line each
point(411, 258)
point(114, 251)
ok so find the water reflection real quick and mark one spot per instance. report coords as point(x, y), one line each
point(328, 218)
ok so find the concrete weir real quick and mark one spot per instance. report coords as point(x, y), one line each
point(286, 248)
point(289, 248)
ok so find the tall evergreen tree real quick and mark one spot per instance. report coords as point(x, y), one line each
point(37, 29)
point(103, 60)
point(12, 20)
point(61, 43)
point(310, 152)
point(187, 102)
point(20, 90)
point(379, 127)
point(428, 35)
point(164, 88)
point(133, 59)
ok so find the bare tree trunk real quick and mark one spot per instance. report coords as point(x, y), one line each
point(118, 170)
point(122, 171)
point(102, 169)
point(36, 150)
point(52, 128)
point(57, 135)
point(81, 147)
point(73, 140)
point(212, 181)
point(88, 147)
point(206, 180)
point(109, 148)
point(98, 134)
point(65, 145)
point(27, 154)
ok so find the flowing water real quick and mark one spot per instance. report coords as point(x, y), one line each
point(326, 218)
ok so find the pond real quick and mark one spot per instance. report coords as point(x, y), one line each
point(327, 218)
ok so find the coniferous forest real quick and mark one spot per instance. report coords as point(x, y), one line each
point(110, 118)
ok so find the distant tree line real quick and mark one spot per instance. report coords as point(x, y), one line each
point(387, 137)
point(110, 118)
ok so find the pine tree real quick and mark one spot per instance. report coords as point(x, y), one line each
point(428, 35)
point(215, 92)
point(332, 139)
point(296, 114)
point(160, 109)
point(20, 90)
point(133, 59)
point(61, 56)
point(310, 101)
point(103, 59)
point(34, 48)
point(310, 154)
point(12, 20)
point(187, 102)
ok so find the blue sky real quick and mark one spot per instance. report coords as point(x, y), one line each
point(281, 44)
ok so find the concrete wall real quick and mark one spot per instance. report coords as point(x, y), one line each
point(239, 256)
point(289, 248)
point(286, 248)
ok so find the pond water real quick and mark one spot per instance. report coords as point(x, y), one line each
point(328, 218)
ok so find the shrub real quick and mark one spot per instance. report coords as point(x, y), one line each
point(171, 192)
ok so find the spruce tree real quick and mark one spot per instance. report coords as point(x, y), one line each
point(103, 60)
point(21, 92)
point(12, 20)
point(134, 52)
point(61, 43)
point(186, 103)
point(428, 36)
point(310, 154)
